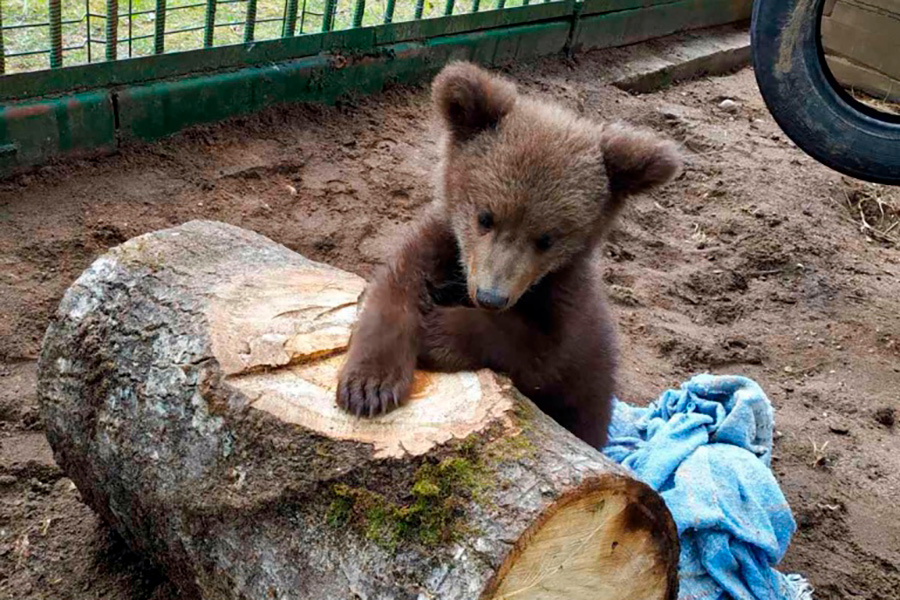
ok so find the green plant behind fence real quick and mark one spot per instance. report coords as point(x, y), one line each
point(42, 34)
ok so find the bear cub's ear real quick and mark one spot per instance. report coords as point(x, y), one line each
point(637, 160)
point(471, 100)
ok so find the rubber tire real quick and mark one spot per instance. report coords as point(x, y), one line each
point(802, 95)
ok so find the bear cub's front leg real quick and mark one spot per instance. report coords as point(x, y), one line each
point(380, 363)
point(381, 359)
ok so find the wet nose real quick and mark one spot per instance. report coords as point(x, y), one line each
point(491, 299)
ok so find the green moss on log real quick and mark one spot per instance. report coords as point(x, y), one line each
point(437, 501)
point(511, 448)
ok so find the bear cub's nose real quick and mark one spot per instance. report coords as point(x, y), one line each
point(491, 299)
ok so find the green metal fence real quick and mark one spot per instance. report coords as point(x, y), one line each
point(85, 76)
point(41, 34)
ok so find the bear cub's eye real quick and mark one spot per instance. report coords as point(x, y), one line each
point(544, 242)
point(486, 220)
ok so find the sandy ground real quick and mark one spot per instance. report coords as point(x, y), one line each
point(753, 263)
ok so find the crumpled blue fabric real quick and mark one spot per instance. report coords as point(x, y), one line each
point(707, 449)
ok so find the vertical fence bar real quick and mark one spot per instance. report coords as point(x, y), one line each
point(56, 57)
point(302, 16)
point(358, 10)
point(389, 11)
point(87, 16)
point(159, 33)
point(130, 26)
point(209, 27)
point(448, 8)
point(476, 4)
point(250, 23)
point(420, 6)
point(328, 15)
point(112, 29)
point(499, 4)
point(2, 52)
point(290, 19)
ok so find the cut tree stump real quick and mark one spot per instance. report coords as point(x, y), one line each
point(187, 383)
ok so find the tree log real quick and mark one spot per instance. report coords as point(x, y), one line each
point(187, 384)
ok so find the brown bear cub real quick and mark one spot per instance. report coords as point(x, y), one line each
point(499, 273)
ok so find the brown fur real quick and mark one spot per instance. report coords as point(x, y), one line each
point(498, 274)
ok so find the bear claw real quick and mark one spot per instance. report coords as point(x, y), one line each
point(369, 396)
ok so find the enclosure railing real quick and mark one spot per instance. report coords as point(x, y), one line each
point(84, 76)
point(49, 34)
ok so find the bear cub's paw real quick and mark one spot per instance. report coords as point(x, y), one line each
point(371, 385)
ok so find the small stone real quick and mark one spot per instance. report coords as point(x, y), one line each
point(729, 105)
point(8, 480)
point(886, 416)
point(789, 369)
point(839, 427)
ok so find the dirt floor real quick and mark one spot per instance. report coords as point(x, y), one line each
point(755, 262)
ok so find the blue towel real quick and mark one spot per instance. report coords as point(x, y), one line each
point(707, 449)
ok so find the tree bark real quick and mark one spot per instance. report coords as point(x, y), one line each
point(187, 383)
